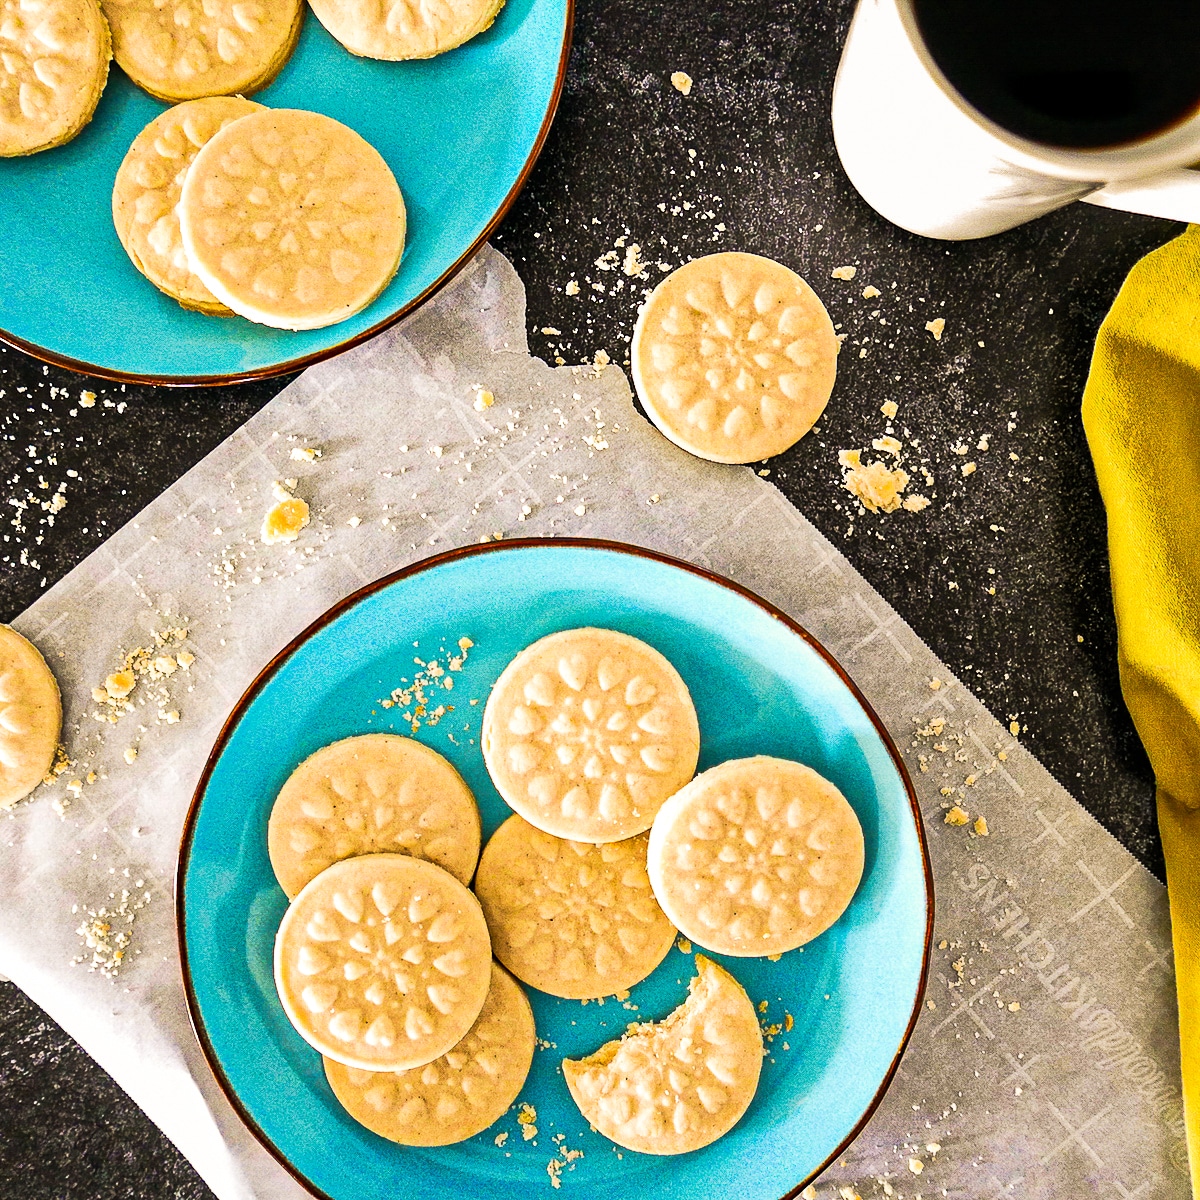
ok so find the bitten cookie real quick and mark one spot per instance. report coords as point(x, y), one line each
point(54, 57)
point(458, 1095)
point(734, 357)
point(185, 49)
point(30, 717)
point(383, 962)
point(291, 219)
point(570, 918)
point(681, 1084)
point(147, 189)
point(587, 732)
point(400, 29)
point(756, 856)
point(371, 794)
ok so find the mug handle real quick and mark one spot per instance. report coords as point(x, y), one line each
point(1174, 195)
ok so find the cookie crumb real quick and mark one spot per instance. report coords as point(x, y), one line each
point(870, 292)
point(572, 288)
point(87, 399)
point(681, 81)
point(876, 487)
point(502, 1137)
point(130, 754)
point(957, 816)
point(846, 273)
point(889, 408)
point(937, 327)
point(284, 521)
point(981, 827)
point(305, 453)
point(916, 1166)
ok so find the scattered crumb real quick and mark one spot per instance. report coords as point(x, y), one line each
point(572, 288)
point(413, 696)
point(876, 486)
point(846, 273)
point(981, 827)
point(915, 503)
point(869, 293)
point(130, 754)
point(889, 408)
point(935, 684)
point(87, 399)
point(501, 1138)
point(485, 399)
point(684, 945)
point(109, 946)
point(526, 1118)
point(967, 468)
point(633, 265)
point(681, 81)
point(887, 445)
point(305, 453)
point(284, 520)
point(809, 1193)
point(916, 1166)
point(936, 327)
point(957, 816)
point(354, 522)
point(1015, 1006)
point(580, 509)
point(1014, 727)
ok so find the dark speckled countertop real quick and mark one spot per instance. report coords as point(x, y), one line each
point(745, 162)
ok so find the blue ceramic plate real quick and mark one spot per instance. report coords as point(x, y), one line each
point(761, 686)
point(460, 132)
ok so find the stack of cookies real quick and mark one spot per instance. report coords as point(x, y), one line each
point(384, 960)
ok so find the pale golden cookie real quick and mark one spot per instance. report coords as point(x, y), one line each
point(30, 717)
point(400, 29)
point(147, 189)
point(383, 962)
point(734, 357)
point(371, 794)
point(54, 57)
point(681, 1084)
point(756, 856)
point(458, 1095)
point(587, 732)
point(570, 918)
point(291, 219)
point(185, 49)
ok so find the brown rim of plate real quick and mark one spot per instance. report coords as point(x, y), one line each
point(308, 360)
point(437, 560)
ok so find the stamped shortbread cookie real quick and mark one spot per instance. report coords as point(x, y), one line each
point(185, 49)
point(681, 1084)
point(147, 189)
point(30, 717)
point(570, 918)
point(371, 794)
point(458, 1095)
point(383, 962)
point(54, 57)
point(734, 357)
point(400, 29)
point(756, 856)
point(587, 732)
point(291, 219)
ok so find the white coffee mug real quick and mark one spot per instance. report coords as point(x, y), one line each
point(922, 157)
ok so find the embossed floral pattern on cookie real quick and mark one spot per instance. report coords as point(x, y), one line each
point(54, 57)
point(30, 717)
point(458, 1095)
point(570, 918)
point(377, 793)
point(383, 962)
point(291, 219)
point(734, 357)
point(148, 186)
point(756, 856)
point(186, 49)
point(404, 29)
point(679, 1085)
point(587, 732)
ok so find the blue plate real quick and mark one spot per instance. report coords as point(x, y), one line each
point(460, 132)
point(761, 686)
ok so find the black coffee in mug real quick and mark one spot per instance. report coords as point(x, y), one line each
point(1070, 73)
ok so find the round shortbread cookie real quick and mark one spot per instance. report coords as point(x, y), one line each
point(371, 794)
point(681, 1084)
point(186, 49)
point(571, 918)
point(755, 856)
point(147, 190)
point(401, 29)
point(458, 1095)
point(587, 732)
point(734, 357)
point(54, 57)
point(30, 717)
point(291, 219)
point(383, 962)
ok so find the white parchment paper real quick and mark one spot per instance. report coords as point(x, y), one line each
point(1045, 1063)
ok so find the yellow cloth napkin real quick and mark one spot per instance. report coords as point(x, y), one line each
point(1141, 411)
